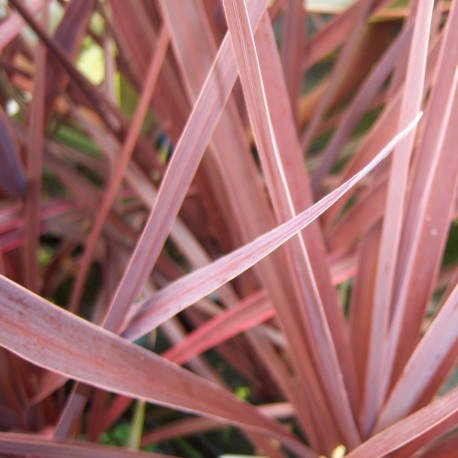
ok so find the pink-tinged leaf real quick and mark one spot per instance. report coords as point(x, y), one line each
point(359, 104)
point(111, 413)
point(97, 412)
point(87, 195)
point(12, 177)
point(438, 444)
point(175, 332)
point(384, 127)
point(360, 218)
point(147, 193)
point(13, 409)
point(378, 375)
point(423, 369)
point(57, 340)
point(12, 444)
point(229, 155)
point(35, 144)
point(428, 419)
point(121, 166)
point(178, 177)
point(135, 33)
point(431, 201)
point(334, 34)
point(360, 313)
point(72, 27)
point(316, 290)
point(245, 315)
point(14, 25)
point(68, 35)
point(279, 189)
point(343, 267)
point(184, 292)
point(103, 107)
point(292, 46)
point(340, 68)
point(177, 231)
point(48, 384)
point(192, 426)
point(11, 241)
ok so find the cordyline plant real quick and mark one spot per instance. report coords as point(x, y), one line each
point(228, 227)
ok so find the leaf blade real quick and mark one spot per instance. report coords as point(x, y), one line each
point(48, 326)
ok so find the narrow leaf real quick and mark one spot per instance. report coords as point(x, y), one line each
point(13, 26)
point(439, 344)
point(431, 202)
point(412, 427)
point(68, 35)
point(35, 144)
point(33, 444)
point(378, 374)
point(121, 166)
point(12, 177)
point(279, 189)
point(180, 172)
point(248, 313)
point(31, 324)
point(182, 293)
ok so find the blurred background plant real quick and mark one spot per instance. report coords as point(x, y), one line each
point(142, 143)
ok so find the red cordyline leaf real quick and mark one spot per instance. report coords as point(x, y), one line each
point(32, 444)
point(135, 32)
point(118, 310)
point(147, 193)
point(121, 165)
point(435, 212)
point(334, 33)
point(182, 293)
point(431, 201)
point(191, 426)
point(314, 312)
point(401, 433)
point(292, 46)
point(378, 375)
point(384, 127)
point(362, 10)
point(180, 172)
point(57, 340)
point(103, 107)
point(11, 216)
point(245, 315)
point(359, 104)
point(163, 199)
point(68, 35)
point(35, 143)
point(14, 25)
point(415, 66)
point(439, 344)
point(229, 156)
point(278, 183)
point(361, 295)
point(12, 177)
point(360, 218)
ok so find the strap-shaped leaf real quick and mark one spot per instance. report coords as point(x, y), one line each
point(57, 340)
point(184, 292)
